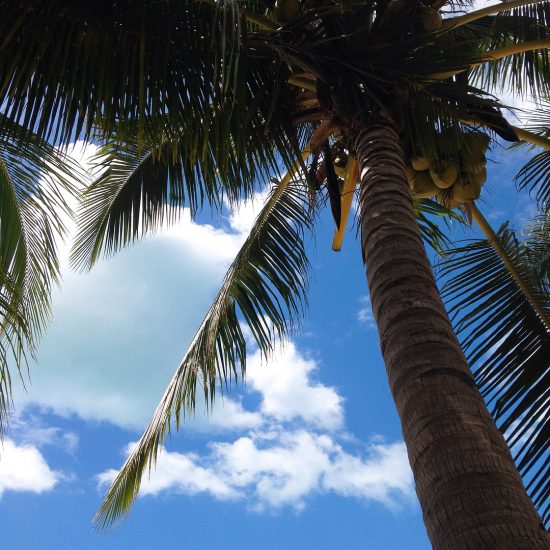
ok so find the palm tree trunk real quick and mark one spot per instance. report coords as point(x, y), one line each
point(471, 494)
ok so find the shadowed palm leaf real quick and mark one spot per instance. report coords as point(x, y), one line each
point(508, 343)
point(266, 283)
point(35, 180)
point(535, 175)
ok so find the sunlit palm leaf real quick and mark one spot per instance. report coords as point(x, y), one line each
point(508, 347)
point(265, 287)
point(428, 213)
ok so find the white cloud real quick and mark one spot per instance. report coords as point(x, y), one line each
point(289, 452)
point(119, 332)
point(364, 314)
point(288, 392)
point(23, 468)
point(271, 470)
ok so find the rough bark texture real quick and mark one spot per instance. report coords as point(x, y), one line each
point(471, 494)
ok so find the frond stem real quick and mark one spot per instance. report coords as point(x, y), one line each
point(496, 55)
point(535, 139)
point(302, 83)
point(478, 14)
point(262, 22)
point(495, 243)
point(523, 135)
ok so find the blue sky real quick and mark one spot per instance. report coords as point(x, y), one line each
point(308, 454)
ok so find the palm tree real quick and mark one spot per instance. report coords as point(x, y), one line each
point(196, 100)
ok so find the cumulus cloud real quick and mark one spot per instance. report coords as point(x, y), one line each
point(364, 313)
point(272, 470)
point(119, 332)
point(288, 391)
point(291, 450)
point(23, 468)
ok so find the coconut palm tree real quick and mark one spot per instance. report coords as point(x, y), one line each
point(197, 100)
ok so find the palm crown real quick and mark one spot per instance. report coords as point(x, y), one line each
point(197, 101)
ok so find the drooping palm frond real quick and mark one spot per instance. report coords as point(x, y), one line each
point(265, 287)
point(101, 60)
point(537, 246)
point(523, 72)
point(142, 185)
point(535, 175)
point(35, 180)
point(506, 337)
point(428, 214)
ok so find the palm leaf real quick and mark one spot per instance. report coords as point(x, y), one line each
point(144, 183)
point(535, 175)
point(266, 283)
point(35, 179)
point(507, 344)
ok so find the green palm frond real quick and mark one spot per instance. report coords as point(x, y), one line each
point(35, 180)
point(535, 175)
point(537, 246)
point(507, 344)
point(524, 73)
point(101, 60)
point(142, 185)
point(265, 287)
point(427, 211)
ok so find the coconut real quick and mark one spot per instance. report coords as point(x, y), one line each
point(466, 192)
point(411, 174)
point(430, 19)
point(477, 141)
point(420, 163)
point(424, 186)
point(444, 176)
point(480, 177)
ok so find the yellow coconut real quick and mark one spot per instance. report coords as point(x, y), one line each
point(472, 168)
point(466, 192)
point(477, 141)
point(444, 176)
point(420, 163)
point(479, 178)
point(424, 186)
point(411, 174)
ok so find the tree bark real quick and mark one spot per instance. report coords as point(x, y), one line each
point(471, 494)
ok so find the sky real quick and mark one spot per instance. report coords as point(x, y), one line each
point(307, 454)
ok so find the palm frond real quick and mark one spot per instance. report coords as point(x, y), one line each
point(143, 183)
point(535, 174)
point(522, 73)
point(101, 59)
point(265, 287)
point(35, 180)
point(429, 215)
point(507, 344)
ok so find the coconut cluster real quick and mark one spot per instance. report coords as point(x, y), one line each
point(452, 178)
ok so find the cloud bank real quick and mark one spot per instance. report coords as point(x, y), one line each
point(294, 450)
